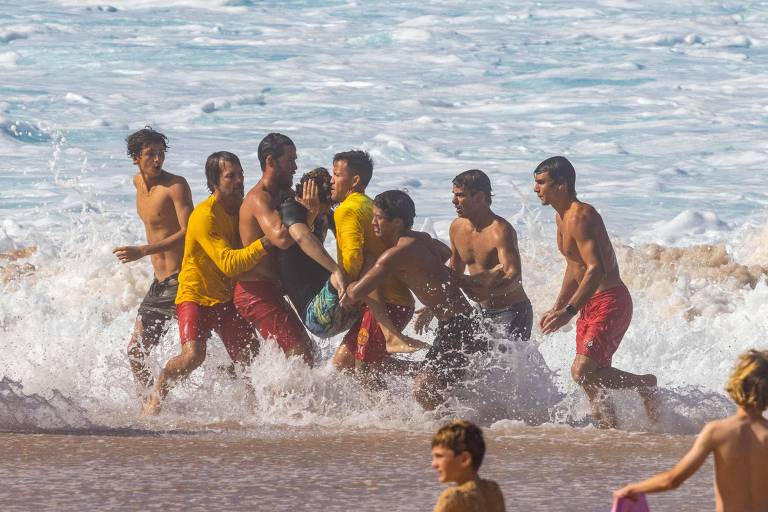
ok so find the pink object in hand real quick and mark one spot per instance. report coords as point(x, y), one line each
point(624, 504)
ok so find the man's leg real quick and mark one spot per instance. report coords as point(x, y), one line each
point(594, 379)
point(147, 331)
point(179, 367)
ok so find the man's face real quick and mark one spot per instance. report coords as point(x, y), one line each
point(466, 202)
point(285, 166)
point(231, 183)
point(544, 187)
point(448, 465)
point(151, 159)
point(342, 181)
point(384, 227)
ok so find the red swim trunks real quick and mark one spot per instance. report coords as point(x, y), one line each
point(196, 322)
point(365, 338)
point(263, 305)
point(602, 324)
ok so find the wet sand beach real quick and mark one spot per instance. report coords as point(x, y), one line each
point(541, 468)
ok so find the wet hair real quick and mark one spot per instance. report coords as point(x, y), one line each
point(137, 141)
point(462, 436)
point(359, 163)
point(322, 179)
point(273, 145)
point(560, 170)
point(396, 204)
point(748, 384)
point(474, 180)
point(213, 166)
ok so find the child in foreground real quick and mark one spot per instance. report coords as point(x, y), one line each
point(739, 442)
point(457, 452)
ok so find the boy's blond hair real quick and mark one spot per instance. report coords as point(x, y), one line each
point(748, 384)
point(462, 436)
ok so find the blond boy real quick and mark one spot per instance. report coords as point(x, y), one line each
point(739, 442)
point(457, 453)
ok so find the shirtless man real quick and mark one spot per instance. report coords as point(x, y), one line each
point(486, 245)
point(258, 293)
point(212, 259)
point(164, 202)
point(414, 258)
point(365, 344)
point(739, 444)
point(592, 285)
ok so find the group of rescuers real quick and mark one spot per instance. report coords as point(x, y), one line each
point(228, 264)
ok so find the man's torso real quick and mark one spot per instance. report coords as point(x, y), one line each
point(158, 213)
point(584, 216)
point(251, 230)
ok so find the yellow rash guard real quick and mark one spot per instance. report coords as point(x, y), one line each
point(211, 258)
point(355, 237)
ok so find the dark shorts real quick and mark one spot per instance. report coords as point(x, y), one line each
point(454, 340)
point(366, 339)
point(196, 323)
point(158, 303)
point(602, 324)
point(263, 305)
point(512, 322)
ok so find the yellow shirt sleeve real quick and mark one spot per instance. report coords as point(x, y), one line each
point(350, 237)
point(230, 261)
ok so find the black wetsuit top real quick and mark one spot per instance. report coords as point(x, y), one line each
point(302, 277)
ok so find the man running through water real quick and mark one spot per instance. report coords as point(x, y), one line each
point(486, 245)
point(414, 258)
point(591, 285)
point(212, 259)
point(258, 293)
point(163, 202)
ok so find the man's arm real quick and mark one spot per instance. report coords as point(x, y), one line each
point(230, 261)
point(683, 470)
point(374, 278)
point(181, 196)
point(574, 292)
point(269, 219)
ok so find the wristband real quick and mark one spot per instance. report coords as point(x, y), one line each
point(571, 309)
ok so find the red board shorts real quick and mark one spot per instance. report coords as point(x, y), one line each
point(602, 324)
point(263, 305)
point(196, 323)
point(366, 339)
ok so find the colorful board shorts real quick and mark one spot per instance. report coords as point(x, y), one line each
point(513, 321)
point(602, 324)
point(196, 323)
point(366, 339)
point(325, 317)
point(454, 340)
point(158, 304)
point(263, 305)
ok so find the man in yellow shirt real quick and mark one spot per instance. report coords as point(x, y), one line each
point(212, 259)
point(364, 345)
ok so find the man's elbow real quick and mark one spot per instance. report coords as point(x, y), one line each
point(283, 240)
point(671, 481)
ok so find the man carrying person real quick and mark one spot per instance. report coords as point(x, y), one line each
point(365, 342)
point(163, 202)
point(212, 259)
point(258, 293)
point(414, 258)
point(593, 286)
point(486, 245)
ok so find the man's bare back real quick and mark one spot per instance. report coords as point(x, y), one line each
point(740, 445)
point(478, 249)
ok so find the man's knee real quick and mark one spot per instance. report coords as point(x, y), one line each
point(583, 370)
point(193, 354)
point(344, 359)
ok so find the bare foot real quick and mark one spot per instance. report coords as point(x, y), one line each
point(649, 397)
point(404, 345)
point(603, 414)
point(152, 405)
